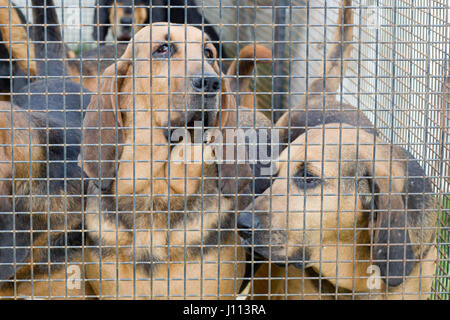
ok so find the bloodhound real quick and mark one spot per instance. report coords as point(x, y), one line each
point(13, 38)
point(347, 215)
point(122, 15)
point(159, 225)
point(350, 215)
point(41, 189)
point(42, 186)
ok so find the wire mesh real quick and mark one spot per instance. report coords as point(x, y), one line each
point(245, 149)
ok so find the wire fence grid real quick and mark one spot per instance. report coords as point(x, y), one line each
point(115, 175)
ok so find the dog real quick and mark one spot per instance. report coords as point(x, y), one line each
point(376, 236)
point(13, 39)
point(120, 16)
point(53, 90)
point(359, 221)
point(42, 186)
point(178, 236)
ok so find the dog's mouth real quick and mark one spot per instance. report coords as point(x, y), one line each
point(176, 132)
point(257, 251)
point(261, 252)
point(124, 36)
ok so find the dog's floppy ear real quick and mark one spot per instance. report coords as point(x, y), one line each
point(101, 19)
point(102, 137)
point(233, 175)
point(389, 221)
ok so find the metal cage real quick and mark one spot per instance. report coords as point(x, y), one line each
point(99, 199)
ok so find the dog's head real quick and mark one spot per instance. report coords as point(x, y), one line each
point(121, 16)
point(344, 200)
point(168, 79)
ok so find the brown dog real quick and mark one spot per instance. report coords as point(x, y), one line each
point(333, 215)
point(355, 218)
point(152, 240)
point(126, 17)
point(40, 204)
point(42, 186)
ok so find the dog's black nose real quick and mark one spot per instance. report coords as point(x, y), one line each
point(126, 20)
point(248, 222)
point(208, 83)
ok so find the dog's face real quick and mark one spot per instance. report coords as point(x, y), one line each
point(182, 75)
point(167, 78)
point(340, 196)
point(123, 17)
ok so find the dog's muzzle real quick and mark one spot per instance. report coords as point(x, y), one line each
point(247, 224)
point(207, 84)
point(201, 119)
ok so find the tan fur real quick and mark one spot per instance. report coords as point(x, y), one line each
point(240, 71)
point(337, 234)
point(308, 285)
point(148, 115)
point(19, 145)
point(65, 281)
point(15, 38)
point(22, 156)
point(336, 250)
point(333, 253)
point(144, 170)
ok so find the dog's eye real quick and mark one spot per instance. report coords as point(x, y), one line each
point(164, 51)
point(209, 53)
point(305, 180)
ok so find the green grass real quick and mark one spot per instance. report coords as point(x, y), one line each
point(441, 286)
point(81, 47)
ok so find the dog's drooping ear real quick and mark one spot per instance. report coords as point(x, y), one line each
point(234, 175)
point(391, 220)
point(102, 135)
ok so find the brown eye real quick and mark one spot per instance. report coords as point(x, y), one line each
point(164, 51)
point(208, 53)
point(304, 179)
